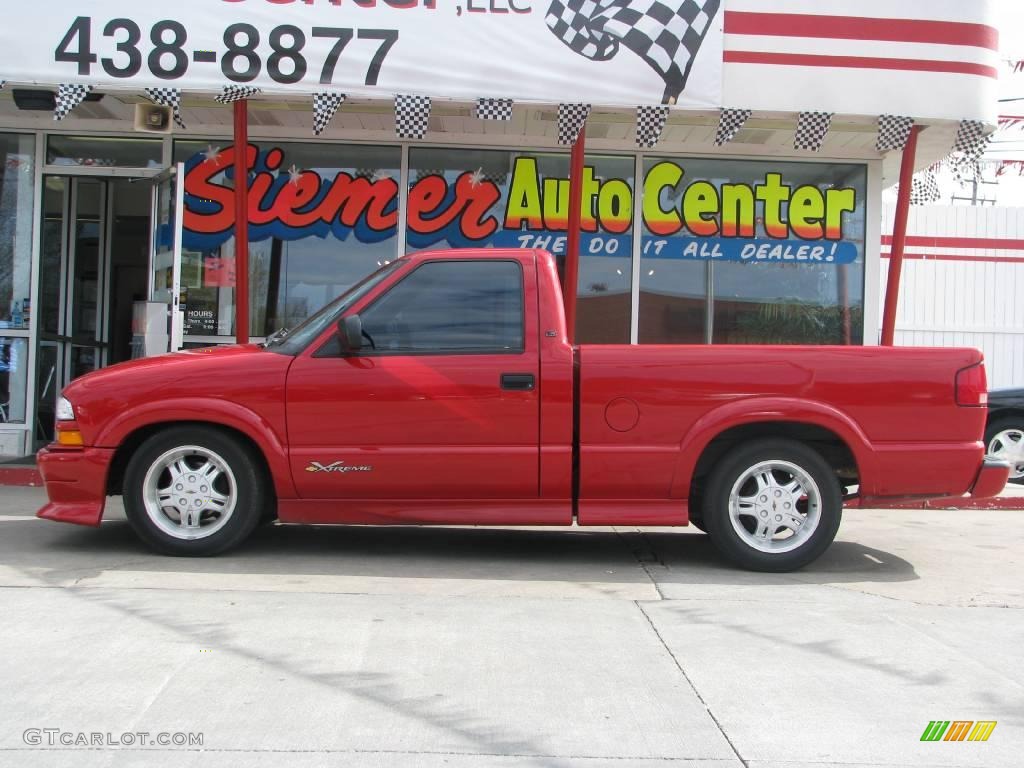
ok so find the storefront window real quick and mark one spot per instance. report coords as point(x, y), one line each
point(496, 198)
point(322, 216)
point(104, 152)
point(13, 377)
point(16, 184)
point(781, 244)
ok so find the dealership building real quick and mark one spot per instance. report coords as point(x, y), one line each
point(731, 161)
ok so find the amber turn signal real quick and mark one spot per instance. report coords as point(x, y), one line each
point(70, 437)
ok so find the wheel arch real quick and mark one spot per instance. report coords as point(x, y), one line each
point(132, 431)
point(839, 440)
point(1011, 412)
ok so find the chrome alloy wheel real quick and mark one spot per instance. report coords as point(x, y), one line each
point(189, 492)
point(774, 506)
point(1008, 445)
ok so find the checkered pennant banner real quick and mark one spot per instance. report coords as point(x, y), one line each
point(971, 139)
point(494, 109)
point(232, 93)
point(924, 188)
point(811, 128)
point(665, 33)
point(964, 168)
point(729, 123)
point(325, 104)
point(167, 97)
point(412, 113)
point(69, 97)
point(650, 122)
point(571, 119)
point(893, 132)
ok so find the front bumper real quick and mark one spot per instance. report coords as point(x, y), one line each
point(76, 483)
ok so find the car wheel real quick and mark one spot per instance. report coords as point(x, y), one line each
point(194, 491)
point(1004, 439)
point(772, 505)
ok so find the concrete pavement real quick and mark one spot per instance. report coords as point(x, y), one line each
point(480, 647)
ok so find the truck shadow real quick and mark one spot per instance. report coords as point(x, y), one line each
point(621, 556)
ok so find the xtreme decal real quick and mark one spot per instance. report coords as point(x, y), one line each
point(767, 220)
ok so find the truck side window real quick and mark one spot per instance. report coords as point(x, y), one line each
point(451, 306)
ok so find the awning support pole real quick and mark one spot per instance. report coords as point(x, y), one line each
point(899, 237)
point(241, 222)
point(572, 244)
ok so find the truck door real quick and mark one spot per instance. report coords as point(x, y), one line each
point(441, 403)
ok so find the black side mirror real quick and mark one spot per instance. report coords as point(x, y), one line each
point(351, 331)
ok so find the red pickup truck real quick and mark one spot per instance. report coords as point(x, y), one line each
point(443, 389)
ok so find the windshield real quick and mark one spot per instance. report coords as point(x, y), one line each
point(295, 340)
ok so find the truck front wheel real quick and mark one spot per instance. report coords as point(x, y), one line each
point(772, 505)
point(194, 491)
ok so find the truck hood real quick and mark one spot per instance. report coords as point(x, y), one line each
point(182, 385)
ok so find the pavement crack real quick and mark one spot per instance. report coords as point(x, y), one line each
point(689, 681)
point(642, 562)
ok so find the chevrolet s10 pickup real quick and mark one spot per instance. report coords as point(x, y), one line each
point(443, 389)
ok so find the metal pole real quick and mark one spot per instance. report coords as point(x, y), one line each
point(241, 222)
point(572, 246)
point(899, 237)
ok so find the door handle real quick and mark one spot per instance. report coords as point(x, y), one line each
point(520, 382)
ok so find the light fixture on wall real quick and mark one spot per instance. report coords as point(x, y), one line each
point(39, 100)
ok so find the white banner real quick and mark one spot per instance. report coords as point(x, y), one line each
point(605, 52)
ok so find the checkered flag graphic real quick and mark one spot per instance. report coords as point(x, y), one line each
point(412, 113)
point(650, 122)
point(167, 97)
point(232, 93)
point(422, 173)
point(364, 173)
point(893, 132)
point(69, 97)
point(498, 178)
point(665, 33)
point(811, 128)
point(325, 104)
point(971, 139)
point(729, 123)
point(924, 188)
point(571, 119)
point(2, 84)
point(494, 109)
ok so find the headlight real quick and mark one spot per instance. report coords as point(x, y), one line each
point(65, 411)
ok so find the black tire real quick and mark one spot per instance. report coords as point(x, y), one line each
point(252, 491)
point(732, 467)
point(1002, 425)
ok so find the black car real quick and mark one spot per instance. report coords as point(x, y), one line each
point(1004, 432)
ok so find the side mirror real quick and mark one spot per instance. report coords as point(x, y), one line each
point(351, 330)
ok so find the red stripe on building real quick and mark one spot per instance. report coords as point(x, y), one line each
point(859, 62)
point(994, 243)
point(861, 28)
point(960, 257)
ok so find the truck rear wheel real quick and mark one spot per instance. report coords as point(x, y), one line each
point(772, 505)
point(194, 491)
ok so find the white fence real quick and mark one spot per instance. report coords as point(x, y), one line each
point(963, 283)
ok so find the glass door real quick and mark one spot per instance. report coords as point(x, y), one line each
point(165, 251)
point(73, 288)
